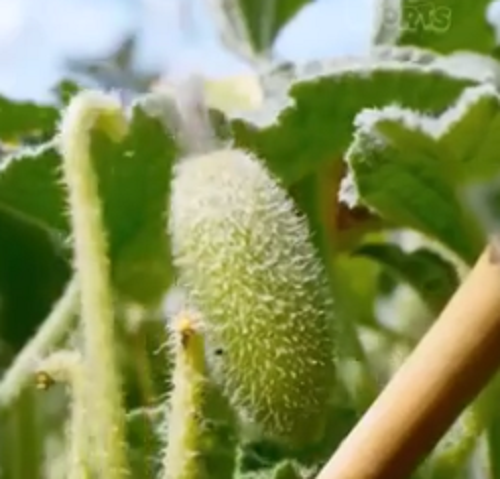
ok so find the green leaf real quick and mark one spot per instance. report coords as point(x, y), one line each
point(471, 139)
point(265, 18)
point(143, 440)
point(484, 200)
point(413, 169)
point(314, 124)
point(453, 451)
point(134, 179)
point(29, 186)
point(264, 455)
point(33, 272)
point(410, 188)
point(134, 182)
point(284, 470)
point(488, 414)
point(434, 278)
point(65, 90)
point(19, 119)
point(442, 25)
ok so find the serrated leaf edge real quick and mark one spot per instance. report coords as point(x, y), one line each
point(434, 127)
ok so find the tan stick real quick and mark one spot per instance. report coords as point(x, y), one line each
point(446, 371)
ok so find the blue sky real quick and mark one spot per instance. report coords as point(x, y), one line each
point(37, 35)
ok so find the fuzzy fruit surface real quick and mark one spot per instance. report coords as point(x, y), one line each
point(245, 256)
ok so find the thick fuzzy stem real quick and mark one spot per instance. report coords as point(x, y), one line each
point(21, 439)
point(66, 366)
point(51, 332)
point(86, 111)
point(185, 428)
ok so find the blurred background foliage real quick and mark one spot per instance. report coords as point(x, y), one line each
point(390, 280)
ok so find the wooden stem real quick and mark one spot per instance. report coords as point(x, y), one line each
point(446, 371)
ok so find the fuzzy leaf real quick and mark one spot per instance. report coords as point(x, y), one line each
point(412, 169)
point(442, 25)
point(427, 272)
point(264, 19)
point(315, 124)
point(134, 181)
point(409, 187)
point(472, 138)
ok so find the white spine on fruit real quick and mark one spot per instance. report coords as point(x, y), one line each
point(246, 257)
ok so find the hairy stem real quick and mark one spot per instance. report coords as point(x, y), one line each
point(318, 207)
point(493, 436)
point(86, 111)
point(181, 458)
point(21, 450)
point(53, 329)
point(66, 366)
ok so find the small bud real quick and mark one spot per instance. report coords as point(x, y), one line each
point(43, 381)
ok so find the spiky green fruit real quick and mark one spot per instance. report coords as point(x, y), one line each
point(245, 256)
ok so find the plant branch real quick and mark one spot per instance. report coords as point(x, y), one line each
point(53, 329)
point(22, 439)
point(86, 111)
point(323, 218)
point(446, 371)
point(66, 366)
point(185, 427)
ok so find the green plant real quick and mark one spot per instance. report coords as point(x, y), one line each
point(315, 231)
